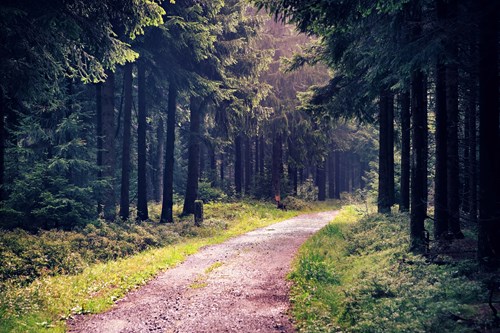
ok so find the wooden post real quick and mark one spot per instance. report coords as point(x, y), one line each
point(198, 212)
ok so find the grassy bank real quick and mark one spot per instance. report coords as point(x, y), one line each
point(356, 275)
point(102, 271)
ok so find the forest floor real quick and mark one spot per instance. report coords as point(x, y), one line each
point(237, 286)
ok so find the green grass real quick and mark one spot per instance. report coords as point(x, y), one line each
point(356, 275)
point(45, 303)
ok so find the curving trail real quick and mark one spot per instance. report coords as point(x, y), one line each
point(237, 286)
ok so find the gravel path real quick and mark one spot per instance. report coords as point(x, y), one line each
point(236, 286)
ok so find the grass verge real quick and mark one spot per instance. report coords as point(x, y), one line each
point(45, 303)
point(356, 275)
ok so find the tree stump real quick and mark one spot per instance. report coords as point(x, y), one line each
point(198, 212)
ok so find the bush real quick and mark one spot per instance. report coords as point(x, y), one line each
point(295, 203)
point(207, 193)
point(307, 191)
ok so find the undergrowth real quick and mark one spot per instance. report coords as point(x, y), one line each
point(47, 277)
point(356, 275)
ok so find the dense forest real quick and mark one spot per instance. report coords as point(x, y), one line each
point(110, 107)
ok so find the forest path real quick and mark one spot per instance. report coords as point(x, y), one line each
point(236, 286)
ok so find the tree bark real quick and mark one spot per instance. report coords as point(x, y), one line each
point(405, 152)
point(321, 172)
point(276, 166)
point(193, 156)
point(331, 175)
point(238, 165)
point(142, 193)
point(453, 173)
point(108, 145)
point(441, 168)
point(158, 163)
point(489, 217)
point(472, 142)
point(167, 215)
point(384, 196)
point(3, 108)
point(337, 174)
point(248, 165)
point(127, 132)
point(98, 95)
point(262, 156)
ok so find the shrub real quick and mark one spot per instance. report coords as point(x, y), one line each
point(307, 191)
point(295, 203)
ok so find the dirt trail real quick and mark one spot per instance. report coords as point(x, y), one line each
point(236, 286)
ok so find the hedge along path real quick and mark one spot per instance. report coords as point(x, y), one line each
point(236, 286)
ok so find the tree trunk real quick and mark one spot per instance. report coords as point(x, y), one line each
point(98, 95)
point(453, 173)
point(238, 165)
point(440, 178)
point(262, 156)
point(321, 172)
point(405, 152)
point(331, 175)
point(390, 149)
point(158, 163)
point(489, 219)
point(337, 174)
point(108, 145)
point(472, 142)
point(167, 215)
point(257, 170)
point(193, 156)
point(276, 166)
point(127, 128)
point(248, 165)
point(3, 108)
point(384, 197)
point(142, 193)
point(222, 169)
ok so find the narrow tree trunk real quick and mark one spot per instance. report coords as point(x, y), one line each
point(453, 180)
point(440, 178)
point(276, 166)
point(142, 191)
point(248, 165)
point(321, 172)
point(98, 95)
point(262, 156)
point(167, 215)
point(108, 151)
point(489, 219)
point(202, 173)
point(222, 169)
point(384, 204)
point(127, 132)
point(193, 156)
point(405, 152)
point(3, 108)
point(331, 175)
point(257, 170)
point(472, 142)
point(158, 162)
point(238, 165)
point(390, 149)
point(337, 174)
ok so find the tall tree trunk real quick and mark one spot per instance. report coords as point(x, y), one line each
point(238, 164)
point(276, 166)
point(489, 218)
point(453, 173)
point(248, 165)
point(472, 142)
point(321, 172)
point(158, 163)
point(257, 170)
point(127, 129)
point(3, 108)
point(262, 156)
point(384, 197)
point(390, 149)
point(331, 175)
point(440, 178)
point(98, 95)
point(405, 152)
point(337, 174)
point(108, 145)
point(193, 156)
point(202, 173)
point(418, 208)
point(142, 193)
point(167, 215)
point(222, 173)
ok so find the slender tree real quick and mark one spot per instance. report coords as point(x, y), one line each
point(404, 205)
point(142, 195)
point(127, 131)
point(167, 215)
